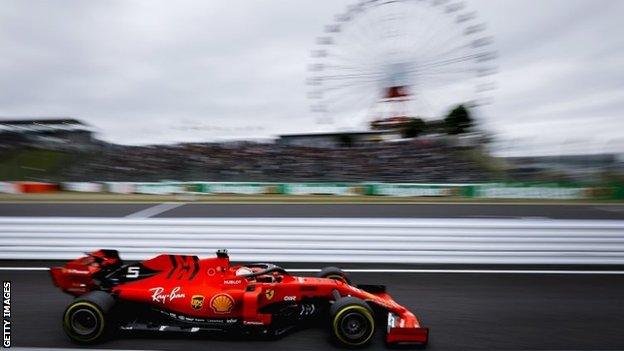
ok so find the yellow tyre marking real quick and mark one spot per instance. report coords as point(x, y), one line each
point(366, 314)
point(67, 324)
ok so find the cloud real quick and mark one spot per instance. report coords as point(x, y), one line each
point(157, 71)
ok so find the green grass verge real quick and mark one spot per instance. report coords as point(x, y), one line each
point(33, 165)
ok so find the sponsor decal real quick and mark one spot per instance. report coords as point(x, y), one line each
point(222, 303)
point(290, 298)
point(159, 295)
point(232, 281)
point(76, 271)
point(253, 323)
point(307, 310)
point(269, 293)
point(199, 320)
point(197, 301)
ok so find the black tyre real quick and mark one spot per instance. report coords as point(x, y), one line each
point(334, 273)
point(85, 319)
point(352, 322)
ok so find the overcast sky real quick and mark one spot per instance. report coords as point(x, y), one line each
point(146, 71)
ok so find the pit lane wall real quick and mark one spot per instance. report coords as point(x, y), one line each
point(484, 190)
point(358, 240)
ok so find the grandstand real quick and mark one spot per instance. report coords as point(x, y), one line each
point(64, 149)
point(334, 140)
point(417, 160)
point(51, 133)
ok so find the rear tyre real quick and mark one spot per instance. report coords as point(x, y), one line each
point(85, 319)
point(352, 322)
point(334, 273)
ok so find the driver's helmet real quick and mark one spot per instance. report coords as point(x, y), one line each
point(243, 271)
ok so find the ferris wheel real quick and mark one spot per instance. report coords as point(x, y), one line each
point(388, 59)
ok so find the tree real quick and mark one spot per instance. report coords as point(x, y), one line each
point(458, 121)
point(413, 128)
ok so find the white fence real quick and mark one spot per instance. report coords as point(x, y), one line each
point(478, 241)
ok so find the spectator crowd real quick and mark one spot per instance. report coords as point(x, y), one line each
point(402, 161)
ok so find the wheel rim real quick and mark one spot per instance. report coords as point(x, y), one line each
point(354, 326)
point(84, 322)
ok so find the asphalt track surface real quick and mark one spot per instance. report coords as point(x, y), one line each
point(447, 210)
point(464, 311)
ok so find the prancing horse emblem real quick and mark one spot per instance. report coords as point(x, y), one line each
point(269, 293)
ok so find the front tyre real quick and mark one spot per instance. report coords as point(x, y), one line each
point(334, 273)
point(352, 322)
point(85, 319)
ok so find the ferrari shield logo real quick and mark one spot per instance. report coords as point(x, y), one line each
point(269, 293)
point(197, 301)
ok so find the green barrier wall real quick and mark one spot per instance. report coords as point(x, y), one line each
point(239, 188)
point(341, 189)
point(161, 188)
point(486, 191)
point(420, 190)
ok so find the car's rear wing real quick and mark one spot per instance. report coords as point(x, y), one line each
point(82, 275)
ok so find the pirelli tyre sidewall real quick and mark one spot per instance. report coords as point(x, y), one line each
point(352, 322)
point(85, 319)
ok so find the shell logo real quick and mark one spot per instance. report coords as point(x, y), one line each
point(222, 303)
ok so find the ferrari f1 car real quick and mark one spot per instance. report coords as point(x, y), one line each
point(185, 294)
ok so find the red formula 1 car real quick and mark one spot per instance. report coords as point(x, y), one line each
point(185, 294)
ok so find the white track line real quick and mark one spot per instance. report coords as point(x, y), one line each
point(61, 349)
point(614, 209)
point(155, 210)
point(404, 271)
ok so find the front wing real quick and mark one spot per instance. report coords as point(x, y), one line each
point(404, 330)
